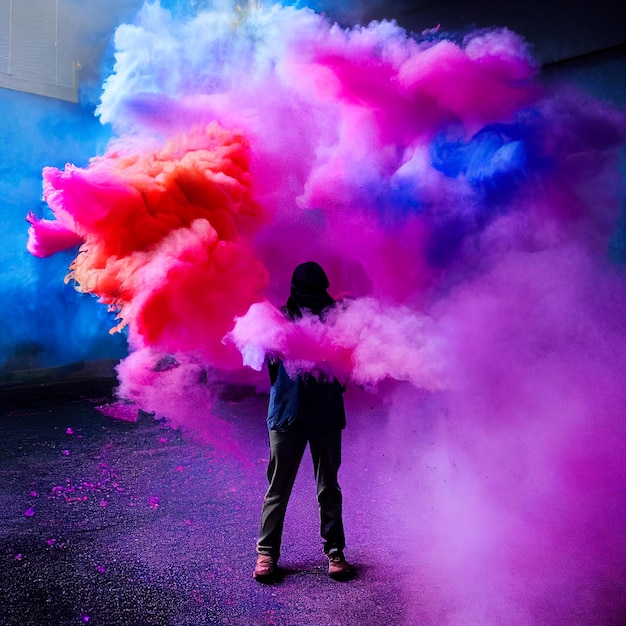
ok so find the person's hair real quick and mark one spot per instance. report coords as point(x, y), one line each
point(308, 291)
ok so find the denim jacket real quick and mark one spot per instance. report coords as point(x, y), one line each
point(304, 403)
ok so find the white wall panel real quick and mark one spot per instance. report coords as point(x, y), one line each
point(5, 35)
point(33, 57)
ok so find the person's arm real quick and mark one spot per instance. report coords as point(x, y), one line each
point(273, 363)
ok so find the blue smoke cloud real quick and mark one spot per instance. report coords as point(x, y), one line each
point(46, 323)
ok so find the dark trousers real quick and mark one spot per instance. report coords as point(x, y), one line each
point(286, 451)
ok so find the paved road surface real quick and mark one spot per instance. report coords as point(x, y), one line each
point(106, 522)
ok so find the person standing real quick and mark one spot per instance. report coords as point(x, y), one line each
point(304, 409)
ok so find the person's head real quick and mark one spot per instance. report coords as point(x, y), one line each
point(309, 278)
point(308, 289)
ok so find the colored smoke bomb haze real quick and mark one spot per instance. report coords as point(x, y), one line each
point(38, 131)
point(436, 143)
point(472, 213)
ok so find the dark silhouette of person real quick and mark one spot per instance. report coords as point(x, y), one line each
point(304, 409)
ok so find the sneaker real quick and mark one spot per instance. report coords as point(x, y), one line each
point(338, 567)
point(265, 568)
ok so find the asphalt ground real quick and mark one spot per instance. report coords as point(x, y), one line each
point(111, 522)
